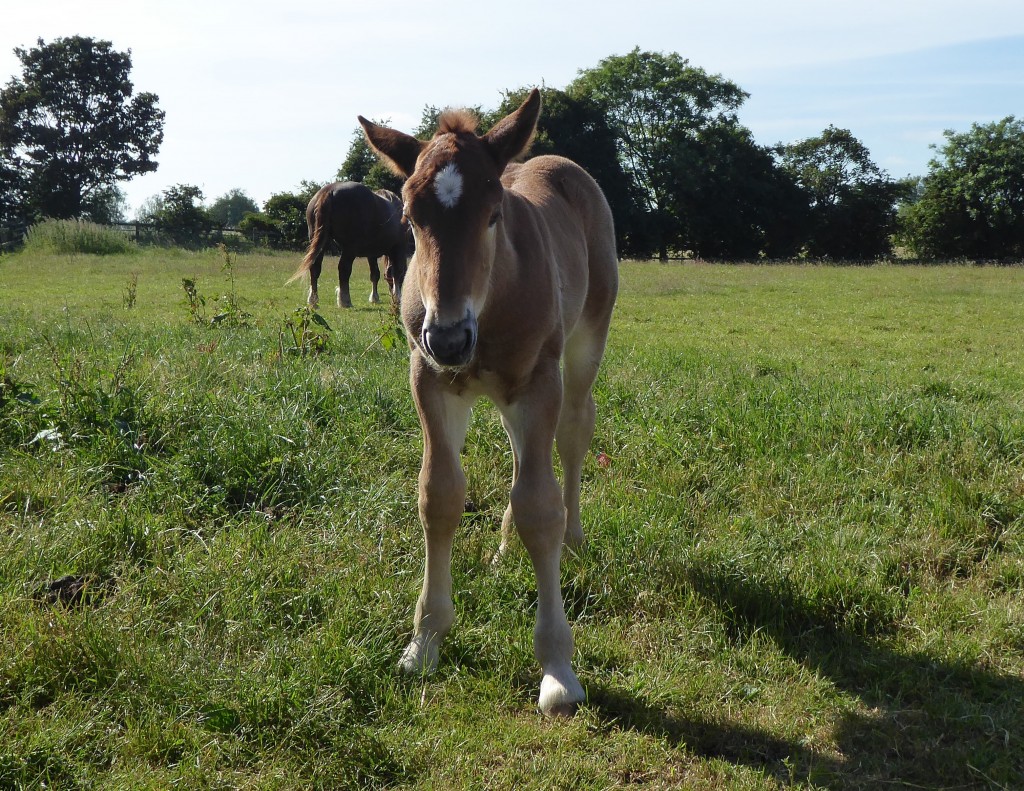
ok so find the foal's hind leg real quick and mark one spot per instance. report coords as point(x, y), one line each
point(344, 275)
point(582, 357)
point(583, 352)
point(539, 518)
point(508, 524)
point(374, 280)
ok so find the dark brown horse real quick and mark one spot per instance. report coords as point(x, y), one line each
point(509, 296)
point(364, 224)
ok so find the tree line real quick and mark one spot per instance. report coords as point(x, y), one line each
point(660, 135)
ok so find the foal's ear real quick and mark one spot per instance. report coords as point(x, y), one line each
point(512, 135)
point(398, 150)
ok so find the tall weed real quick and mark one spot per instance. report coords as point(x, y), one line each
point(71, 237)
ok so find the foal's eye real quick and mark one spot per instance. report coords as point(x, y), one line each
point(494, 218)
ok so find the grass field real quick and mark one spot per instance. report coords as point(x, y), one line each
point(805, 564)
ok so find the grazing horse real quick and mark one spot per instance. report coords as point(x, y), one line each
point(509, 295)
point(364, 224)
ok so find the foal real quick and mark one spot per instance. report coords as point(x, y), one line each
point(509, 295)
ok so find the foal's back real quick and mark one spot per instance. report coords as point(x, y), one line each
point(574, 236)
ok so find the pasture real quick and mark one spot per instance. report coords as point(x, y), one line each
point(804, 507)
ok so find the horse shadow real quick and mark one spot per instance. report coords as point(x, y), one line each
point(783, 761)
point(924, 723)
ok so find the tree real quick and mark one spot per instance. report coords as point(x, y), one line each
point(12, 191)
point(231, 207)
point(658, 106)
point(283, 219)
point(149, 208)
point(105, 205)
point(852, 202)
point(362, 165)
point(971, 202)
point(70, 126)
point(288, 211)
point(575, 127)
point(740, 204)
point(181, 216)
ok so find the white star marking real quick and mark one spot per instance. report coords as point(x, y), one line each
point(448, 185)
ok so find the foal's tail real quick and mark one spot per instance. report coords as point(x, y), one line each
point(319, 239)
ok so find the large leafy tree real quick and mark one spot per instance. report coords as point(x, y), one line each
point(659, 106)
point(971, 203)
point(180, 214)
point(71, 127)
point(852, 202)
point(741, 205)
point(283, 219)
point(231, 207)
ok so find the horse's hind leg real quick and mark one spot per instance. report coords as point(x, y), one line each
point(508, 524)
point(583, 352)
point(313, 300)
point(539, 518)
point(582, 357)
point(389, 278)
point(344, 275)
point(374, 280)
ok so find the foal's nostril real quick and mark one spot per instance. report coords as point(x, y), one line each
point(451, 345)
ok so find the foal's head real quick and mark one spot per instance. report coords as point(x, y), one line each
point(453, 202)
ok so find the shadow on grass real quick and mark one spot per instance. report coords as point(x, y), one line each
point(782, 760)
point(934, 724)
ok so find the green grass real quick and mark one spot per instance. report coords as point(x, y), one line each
point(805, 563)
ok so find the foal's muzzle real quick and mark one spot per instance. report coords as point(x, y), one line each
point(451, 345)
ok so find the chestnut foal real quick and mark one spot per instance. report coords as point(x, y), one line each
point(509, 295)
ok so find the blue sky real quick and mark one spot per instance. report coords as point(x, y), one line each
point(260, 95)
point(895, 104)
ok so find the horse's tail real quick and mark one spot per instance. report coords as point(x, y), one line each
point(319, 238)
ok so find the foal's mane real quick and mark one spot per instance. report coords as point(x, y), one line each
point(457, 121)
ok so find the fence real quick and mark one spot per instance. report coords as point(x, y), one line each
point(11, 237)
point(145, 233)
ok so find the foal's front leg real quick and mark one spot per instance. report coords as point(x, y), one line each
point(442, 497)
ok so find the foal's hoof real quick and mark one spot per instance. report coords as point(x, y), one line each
point(562, 710)
point(419, 657)
point(574, 538)
point(344, 300)
point(560, 694)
